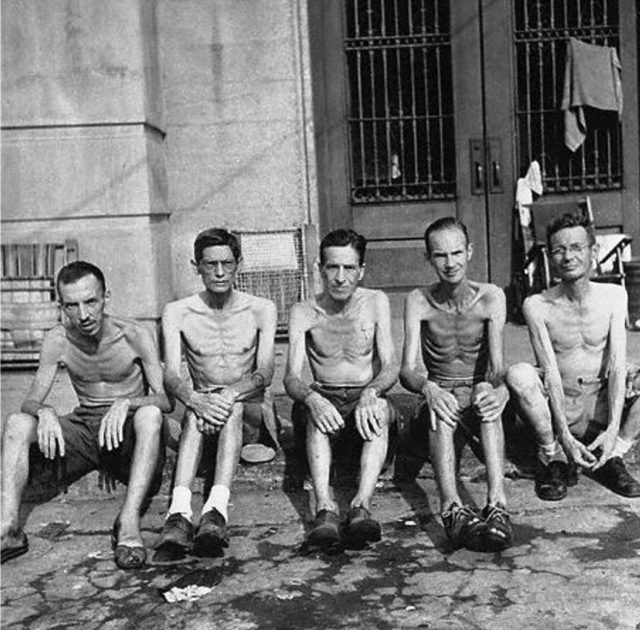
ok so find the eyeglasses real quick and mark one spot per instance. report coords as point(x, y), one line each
point(574, 248)
point(212, 265)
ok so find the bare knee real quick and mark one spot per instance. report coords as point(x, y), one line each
point(147, 420)
point(523, 380)
point(19, 428)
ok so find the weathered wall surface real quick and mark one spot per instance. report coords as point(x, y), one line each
point(236, 93)
point(90, 88)
point(82, 150)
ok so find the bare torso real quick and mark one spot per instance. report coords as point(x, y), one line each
point(220, 345)
point(454, 341)
point(579, 333)
point(341, 348)
point(103, 373)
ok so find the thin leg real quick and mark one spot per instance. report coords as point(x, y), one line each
point(319, 456)
point(19, 433)
point(372, 459)
point(443, 460)
point(147, 423)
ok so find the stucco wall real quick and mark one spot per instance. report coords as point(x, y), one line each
point(237, 102)
point(82, 149)
point(89, 90)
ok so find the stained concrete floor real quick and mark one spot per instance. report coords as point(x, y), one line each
point(574, 564)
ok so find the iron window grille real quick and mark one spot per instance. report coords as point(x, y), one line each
point(542, 30)
point(400, 100)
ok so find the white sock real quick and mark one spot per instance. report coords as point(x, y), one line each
point(218, 499)
point(550, 452)
point(181, 502)
point(622, 447)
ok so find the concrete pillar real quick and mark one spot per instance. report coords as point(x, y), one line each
point(82, 140)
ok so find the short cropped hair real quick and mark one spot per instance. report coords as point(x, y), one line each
point(344, 238)
point(569, 220)
point(79, 269)
point(216, 237)
point(446, 223)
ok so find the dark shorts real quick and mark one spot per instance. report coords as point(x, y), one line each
point(83, 454)
point(348, 442)
point(345, 400)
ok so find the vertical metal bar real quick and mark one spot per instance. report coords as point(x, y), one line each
point(425, 75)
point(400, 103)
point(439, 83)
point(385, 77)
point(372, 83)
point(412, 64)
point(540, 83)
point(527, 91)
point(363, 148)
point(557, 89)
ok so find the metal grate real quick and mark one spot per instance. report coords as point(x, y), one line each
point(273, 267)
point(542, 30)
point(400, 112)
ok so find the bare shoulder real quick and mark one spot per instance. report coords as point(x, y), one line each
point(137, 334)
point(373, 298)
point(55, 342)
point(607, 291)
point(535, 306)
point(491, 296)
point(304, 314)
point(416, 302)
point(259, 305)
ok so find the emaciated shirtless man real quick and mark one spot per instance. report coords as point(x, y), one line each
point(580, 401)
point(228, 339)
point(458, 326)
point(345, 333)
point(115, 370)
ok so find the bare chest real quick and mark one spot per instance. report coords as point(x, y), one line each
point(448, 329)
point(572, 329)
point(216, 335)
point(113, 364)
point(337, 336)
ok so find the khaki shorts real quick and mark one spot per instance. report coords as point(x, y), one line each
point(587, 403)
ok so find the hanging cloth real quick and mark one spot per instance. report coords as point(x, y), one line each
point(592, 77)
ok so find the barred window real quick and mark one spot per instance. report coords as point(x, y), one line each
point(400, 110)
point(542, 31)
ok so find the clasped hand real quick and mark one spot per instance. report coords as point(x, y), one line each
point(212, 410)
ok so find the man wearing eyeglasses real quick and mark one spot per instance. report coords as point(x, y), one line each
point(581, 401)
point(345, 333)
point(228, 342)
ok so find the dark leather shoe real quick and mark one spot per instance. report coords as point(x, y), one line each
point(614, 476)
point(361, 528)
point(177, 530)
point(212, 536)
point(551, 481)
point(325, 531)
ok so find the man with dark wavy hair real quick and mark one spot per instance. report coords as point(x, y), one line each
point(115, 371)
point(581, 401)
point(345, 334)
point(228, 341)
